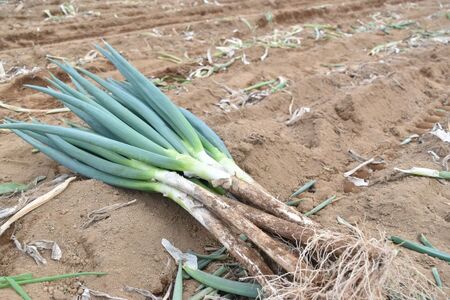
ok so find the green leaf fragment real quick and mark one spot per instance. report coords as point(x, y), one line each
point(423, 239)
point(217, 255)
point(229, 286)
point(12, 187)
point(321, 206)
point(178, 288)
point(19, 290)
point(433, 252)
point(436, 276)
point(204, 262)
point(17, 277)
point(294, 202)
point(303, 188)
point(53, 278)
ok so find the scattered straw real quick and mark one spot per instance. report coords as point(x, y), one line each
point(14, 72)
point(252, 94)
point(297, 114)
point(29, 110)
point(103, 213)
point(36, 203)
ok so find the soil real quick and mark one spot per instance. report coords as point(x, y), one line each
point(367, 103)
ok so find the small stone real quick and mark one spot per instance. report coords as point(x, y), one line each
point(80, 291)
point(349, 186)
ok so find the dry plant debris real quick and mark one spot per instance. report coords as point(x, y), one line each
point(35, 204)
point(252, 94)
point(32, 249)
point(103, 213)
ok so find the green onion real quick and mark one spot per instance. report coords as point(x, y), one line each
point(321, 206)
point(420, 248)
point(19, 290)
point(436, 276)
point(124, 148)
point(202, 292)
point(98, 140)
point(225, 285)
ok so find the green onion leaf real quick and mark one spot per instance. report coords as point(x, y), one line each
point(178, 288)
point(303, 188)
point(19, 290)
point(206, 131)
point(109, 120)
point(436, 276)
point(98, 140)
point(100, 163)
point(154, 97)
point(53, 278)
point(117, 109)
point(423, 239)
point(433, 252)
point(86, 170)
point(17, 277)
point(12, 187)
point(141, 109)
point(321, 206)
point(225, 285)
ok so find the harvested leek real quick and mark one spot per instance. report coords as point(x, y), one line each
point(137, 138)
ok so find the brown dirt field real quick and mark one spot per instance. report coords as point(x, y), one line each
point(370, 106)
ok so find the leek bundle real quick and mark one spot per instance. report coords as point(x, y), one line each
point(135, 137)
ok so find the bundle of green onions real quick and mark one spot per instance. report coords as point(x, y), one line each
point(137, 138)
